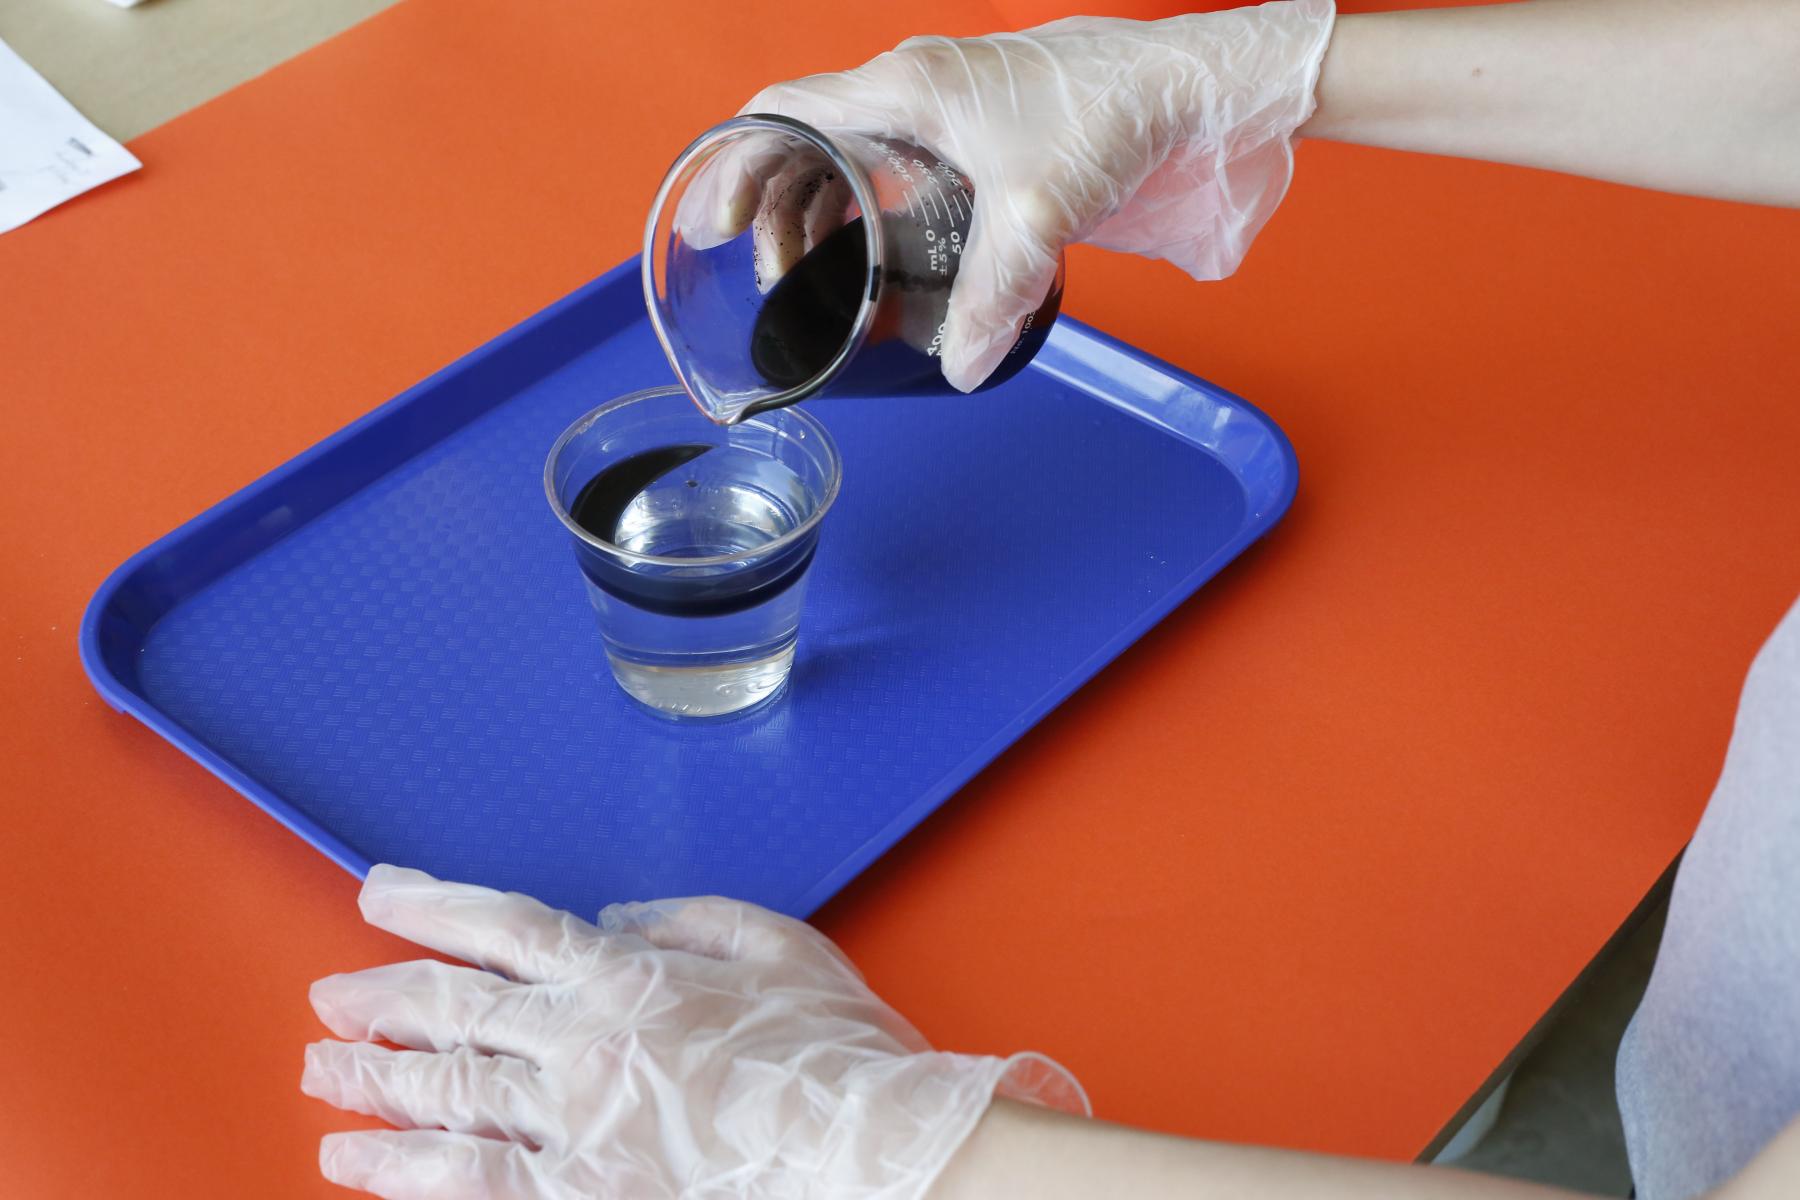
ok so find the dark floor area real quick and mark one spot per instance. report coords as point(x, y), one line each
point(1559, 1123)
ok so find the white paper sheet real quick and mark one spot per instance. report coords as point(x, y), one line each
point(48, 151)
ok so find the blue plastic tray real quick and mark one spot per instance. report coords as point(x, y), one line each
point(385, 645)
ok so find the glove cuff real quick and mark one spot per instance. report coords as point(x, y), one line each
point(1279, 48)
point(1230, 169)
point(902, 1120)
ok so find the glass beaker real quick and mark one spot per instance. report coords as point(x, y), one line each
point(781, 263)
point(694, 539)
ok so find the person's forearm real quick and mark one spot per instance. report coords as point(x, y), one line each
point(1682, 96)
point(1020, 1150)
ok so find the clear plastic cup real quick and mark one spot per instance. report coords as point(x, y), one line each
point(694, 540)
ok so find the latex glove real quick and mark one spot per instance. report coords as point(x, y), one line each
point(790, 204)
point(692, 1048)
point(1169, 139)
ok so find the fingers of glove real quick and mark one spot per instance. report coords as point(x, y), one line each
point(1006, 271)
point(825, 210)
point(802, 203)
point(460, 1090)
point(713, 927)
point(727, 191)
point(503, 931)
point(422, 1164)
point(429, 1005)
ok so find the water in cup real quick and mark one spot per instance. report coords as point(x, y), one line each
point(694, 542)
point(696, 652)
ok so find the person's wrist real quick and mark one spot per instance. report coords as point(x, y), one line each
point(979, 1168)
point(1027, 1098)
point(1342, 94)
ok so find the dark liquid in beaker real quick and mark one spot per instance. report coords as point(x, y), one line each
point(809, 314)
point(606, 496)
point(810, 311)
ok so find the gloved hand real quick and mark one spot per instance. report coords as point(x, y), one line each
point(692, 1048)
point(1169, 139)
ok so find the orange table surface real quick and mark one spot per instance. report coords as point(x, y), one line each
point(1302, 867)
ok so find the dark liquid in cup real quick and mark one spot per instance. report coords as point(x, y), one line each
point(607, 495)
point(672, 591)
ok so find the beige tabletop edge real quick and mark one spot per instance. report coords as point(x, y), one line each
point(130, 69)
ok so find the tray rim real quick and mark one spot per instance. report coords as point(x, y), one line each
point(123, 696)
